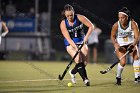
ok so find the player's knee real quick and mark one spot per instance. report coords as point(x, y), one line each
point(123, 63)
point(136, 58)
point(77, 60)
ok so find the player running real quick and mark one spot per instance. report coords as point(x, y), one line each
point(72, 29)
point(125, 37)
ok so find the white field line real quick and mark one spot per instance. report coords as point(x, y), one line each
point(34, 80)
point(38, 80)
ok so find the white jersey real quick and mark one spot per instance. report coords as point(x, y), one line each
point(125, 37)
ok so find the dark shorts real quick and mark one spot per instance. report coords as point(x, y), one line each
point(126, 46)
point(123, 49)
point(94, 45)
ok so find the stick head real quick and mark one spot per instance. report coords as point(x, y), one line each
point(103, 72)
point(59, 77)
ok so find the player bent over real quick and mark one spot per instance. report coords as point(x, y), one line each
point(72, 29)
point(125, 37)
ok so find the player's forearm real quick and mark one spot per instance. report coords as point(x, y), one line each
point(136, 40)
point(73, 44)
point(90, 29)
point(113, 39)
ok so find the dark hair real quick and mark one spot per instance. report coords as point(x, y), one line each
point(125, 10)
point(67, 7)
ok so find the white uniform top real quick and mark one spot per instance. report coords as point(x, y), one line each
point(93, 38)
point(125, 37)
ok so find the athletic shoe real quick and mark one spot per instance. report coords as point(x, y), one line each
point(87, 83)
point(73, 78)
point(118, 81)
point(137, 80)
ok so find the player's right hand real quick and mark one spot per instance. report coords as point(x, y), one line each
point(122, 49)
point(116, 46)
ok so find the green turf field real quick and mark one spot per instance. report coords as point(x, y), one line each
point(41, 77)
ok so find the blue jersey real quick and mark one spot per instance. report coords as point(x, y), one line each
point(76, 31)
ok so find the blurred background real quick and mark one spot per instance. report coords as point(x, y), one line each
point(34, 26)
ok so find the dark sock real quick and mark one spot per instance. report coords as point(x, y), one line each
point(74, 70)
point(82, 71)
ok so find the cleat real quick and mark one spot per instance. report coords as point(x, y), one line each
point(137, 80)
point(87, 83)
point(73, 78)
point(118, 81)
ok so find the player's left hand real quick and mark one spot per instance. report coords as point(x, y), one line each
point(130, 48)
point(85, 40)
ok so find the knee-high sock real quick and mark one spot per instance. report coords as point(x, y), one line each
point(119, 70)
point(74, 70)
point(82, 71)
point(136, 66)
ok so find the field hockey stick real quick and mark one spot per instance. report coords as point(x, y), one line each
point(108, 69)
point(60, 77)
